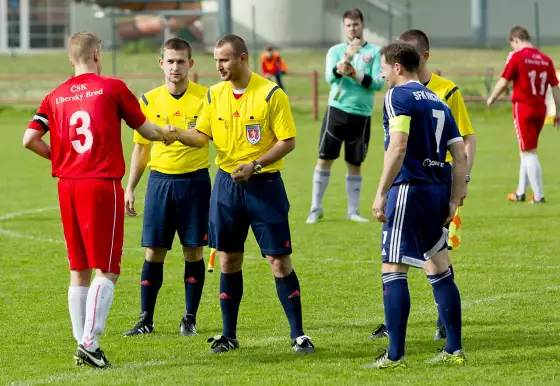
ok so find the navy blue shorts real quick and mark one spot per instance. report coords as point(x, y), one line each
point(261, 203)
point(176, 203)
point(414, 231)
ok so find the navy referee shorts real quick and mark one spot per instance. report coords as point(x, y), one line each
point(176, 203)
point(261, 203)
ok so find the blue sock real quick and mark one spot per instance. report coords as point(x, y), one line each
point(195, 272)
point(289, 295)
point(396, 301)
point(231, 292)
point(440, 321)
point(150, 283)
point(448, 300)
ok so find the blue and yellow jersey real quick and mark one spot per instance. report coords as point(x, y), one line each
point(448, 92)
point(431, 129)
point(158, 105)
point(245, 129)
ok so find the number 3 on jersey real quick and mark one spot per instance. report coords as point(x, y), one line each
point(82, 129)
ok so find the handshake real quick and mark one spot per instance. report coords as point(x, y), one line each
point(169, 134)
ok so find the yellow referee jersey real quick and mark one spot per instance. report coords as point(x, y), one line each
point(158, 104)
point(448, 92)
point(244, 129)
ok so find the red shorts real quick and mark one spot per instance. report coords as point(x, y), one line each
point(92, 212)
point(528, 121)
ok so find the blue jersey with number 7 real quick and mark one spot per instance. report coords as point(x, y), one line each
point(415, 110)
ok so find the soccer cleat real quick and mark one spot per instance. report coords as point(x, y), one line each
point(533, 201)
point(221, 344)
point(303, 345)
point(188, 325)
point(355, 217)
point(457, 358)
point(380, 332)
point(314, 216)
point(142, 327)
point(440, 333)
point(383, 362)
point(94, 359)
point(77, 359)
point(516, 197)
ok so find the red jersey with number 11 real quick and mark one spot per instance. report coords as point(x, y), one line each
point(531, 72)
point(84, 116)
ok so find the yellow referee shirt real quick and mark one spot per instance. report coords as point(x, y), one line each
point(244, 129)
point(158, 104)
point(448, 92)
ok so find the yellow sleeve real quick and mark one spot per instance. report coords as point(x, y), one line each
point(204, 120)
point(400, 123)
point(282, 120)
point(459, 111)
point(137, 137)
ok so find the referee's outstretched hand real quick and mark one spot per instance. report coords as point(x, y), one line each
point(243, 172)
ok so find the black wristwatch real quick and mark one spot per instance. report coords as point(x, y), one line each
point(257, 167)
point(468, 178)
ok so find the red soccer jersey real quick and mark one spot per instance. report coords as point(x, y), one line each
point(84, 116)
point(531, 72)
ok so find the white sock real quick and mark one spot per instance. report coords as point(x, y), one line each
point(99, 300)
point(320, 183)
point(534, 172)
point(522, 177)
point(353, 189)
point(77, 297)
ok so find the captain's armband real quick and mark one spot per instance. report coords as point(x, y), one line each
point(399, 123)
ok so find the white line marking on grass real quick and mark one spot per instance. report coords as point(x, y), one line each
point(493, 299)
point(10, 216)
point(79, 374)
point(18, 235)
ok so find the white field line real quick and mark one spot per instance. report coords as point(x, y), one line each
point(465, 304)
point(18, 235)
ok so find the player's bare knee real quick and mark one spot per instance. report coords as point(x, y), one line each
point(193, 254)
point(324, 163)
point(230, 262)
point(281, 265)
point(80, 278)
point(439, 263)
point(107, 275)
point(156, 255)
point(394, 267)
point(353, 170)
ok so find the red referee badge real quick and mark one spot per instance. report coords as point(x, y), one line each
point(253, 133)
point(367, 58)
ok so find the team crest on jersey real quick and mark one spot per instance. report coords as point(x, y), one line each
point(253, 133)
point(367, 58)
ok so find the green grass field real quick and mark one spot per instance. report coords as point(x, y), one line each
point(507, 271)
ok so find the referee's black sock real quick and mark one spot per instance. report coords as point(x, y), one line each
point(195, 273)
point(150, 283)
point(289, 294)
point(231, 292)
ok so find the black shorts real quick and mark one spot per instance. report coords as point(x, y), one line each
point(339, 126)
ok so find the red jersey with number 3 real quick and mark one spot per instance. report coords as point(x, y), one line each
point(83, 116)
point(531, 72)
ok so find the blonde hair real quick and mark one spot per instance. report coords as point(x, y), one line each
point(81, 46)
